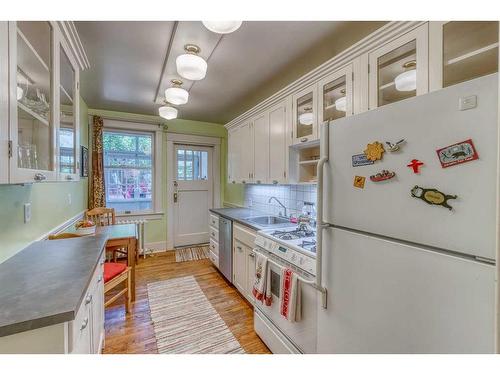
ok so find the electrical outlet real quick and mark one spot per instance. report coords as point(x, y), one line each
point(27, 212)
point(69, 199)
point(467, 102)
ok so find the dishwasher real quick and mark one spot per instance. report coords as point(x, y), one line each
point(226, 248)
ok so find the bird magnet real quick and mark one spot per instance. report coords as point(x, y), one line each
point(415, 164)
point(359, 182)
point(395, 147)
point(432, 196)
point(374, 151)
point(458, 153)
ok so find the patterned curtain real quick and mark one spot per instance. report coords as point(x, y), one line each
point(97, 196)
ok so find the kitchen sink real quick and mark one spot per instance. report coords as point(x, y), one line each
point(268, 220)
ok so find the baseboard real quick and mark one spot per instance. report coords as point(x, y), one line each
point(156, 247)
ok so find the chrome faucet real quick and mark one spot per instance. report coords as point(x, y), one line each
point(281, 204)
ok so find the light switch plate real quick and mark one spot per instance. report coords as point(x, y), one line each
point(27, 212)
point(467, 102)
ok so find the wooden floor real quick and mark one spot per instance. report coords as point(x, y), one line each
point(134, 333)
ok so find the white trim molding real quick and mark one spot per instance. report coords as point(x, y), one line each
point(177, 138)
point(156, 247)
point(379, 37)
point(61, 227)
point(68, 29)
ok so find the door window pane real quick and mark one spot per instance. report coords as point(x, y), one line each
point(128, 171)
point(305, 115)
point(192, 165)
point(67, 156)
point(34, 70)
point(397, 74)
point(470, 50)
point(334, 99)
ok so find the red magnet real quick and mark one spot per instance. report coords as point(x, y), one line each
point(415, 164)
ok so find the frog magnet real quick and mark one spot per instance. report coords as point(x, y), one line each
point(432, 196)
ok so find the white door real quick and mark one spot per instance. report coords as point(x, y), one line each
point(193, 194)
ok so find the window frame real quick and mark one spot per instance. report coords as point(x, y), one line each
point(156, 161)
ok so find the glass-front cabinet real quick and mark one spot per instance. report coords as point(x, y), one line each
point(43, 100)
point(462, 50)
point(304, 115)
point(68, 131)
point(399, 69)
point(336, 95)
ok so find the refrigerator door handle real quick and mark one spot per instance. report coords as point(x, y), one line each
point(324, 149)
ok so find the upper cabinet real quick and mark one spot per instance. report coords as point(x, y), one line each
point(461, 50)
point(261, 142)
point(4, 101)
point(336, 95)
point(305, 119)
point(42, 104)
point(278, 142)
point(399, 69)
point(240, 156)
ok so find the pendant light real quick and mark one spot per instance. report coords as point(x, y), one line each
point(222, 27)
point(168, 112)
point(190, 65)
point(407, 81)
point(176, 94)
point(341, 103)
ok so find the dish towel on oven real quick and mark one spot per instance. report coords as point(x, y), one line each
point(290, 298)
point(262, 280)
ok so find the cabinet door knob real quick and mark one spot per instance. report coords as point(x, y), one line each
point(99, 279)
point(40, 177)
point(239, 248)
point(69, 178)
point(304, 139)
point(251, 255)
point(275, 182)
point(88, 299)
point(85, 323)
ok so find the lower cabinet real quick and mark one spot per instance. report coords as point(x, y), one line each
point(243, 260)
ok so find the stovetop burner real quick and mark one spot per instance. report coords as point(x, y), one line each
point(293, 234)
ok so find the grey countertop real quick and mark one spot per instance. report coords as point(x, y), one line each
point(241, 214)
point(45, 283)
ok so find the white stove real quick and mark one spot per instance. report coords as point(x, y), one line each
point(296, 245)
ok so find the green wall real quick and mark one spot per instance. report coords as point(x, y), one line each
point(49, 207)
point(156, 230)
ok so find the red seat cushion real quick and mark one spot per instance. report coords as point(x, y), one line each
point(111, 270)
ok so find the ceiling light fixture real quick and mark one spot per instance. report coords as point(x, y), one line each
point(222, 27)
point(190, 65)
point(306, 118)
point(341, 103)
point(407, 81)
point(168, 112)
point(176, 94)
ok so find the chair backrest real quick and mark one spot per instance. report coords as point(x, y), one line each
point(101, 216)
point(63, 235)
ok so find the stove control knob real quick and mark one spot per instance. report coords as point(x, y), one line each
point(301, 261)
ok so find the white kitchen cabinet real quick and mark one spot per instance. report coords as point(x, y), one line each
point(399, 69)
point(213, 247)
point(250, 272)
point(40, 100)
point(460, 51)
point(305, 119)
point(261, 143)
point(335, 93)
point(278, 142)
point(240, 142)
point(243, 260)
point(239, 266)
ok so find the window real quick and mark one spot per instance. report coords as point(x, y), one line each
point(66, 150)
point(128, 170)
point(192, 165)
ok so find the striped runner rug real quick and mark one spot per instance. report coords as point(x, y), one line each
point(186, 254)
point(185, 322)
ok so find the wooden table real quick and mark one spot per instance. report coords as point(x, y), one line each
point(123, 235)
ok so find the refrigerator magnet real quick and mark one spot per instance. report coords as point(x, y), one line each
point(360, 160)
point(415, 164)
point(359, 182)
point(432, 196)
point(374, 151)
point(395, 147)
point(458, 153)
point(382, 176)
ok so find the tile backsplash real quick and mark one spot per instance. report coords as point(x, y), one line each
point(292, 196)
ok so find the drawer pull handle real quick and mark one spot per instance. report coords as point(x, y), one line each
point(239, 248)
point(275, 182)
point(88, 299)
point(99, 279)
point(84, 324)
point(251, 255)
point(40, 177)
point(304, 139)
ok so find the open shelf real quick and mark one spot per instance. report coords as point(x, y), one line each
point(304, 164)
point(32, 113)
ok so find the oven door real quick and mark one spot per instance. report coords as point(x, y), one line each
point(302, 334)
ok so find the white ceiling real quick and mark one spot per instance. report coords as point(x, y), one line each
point(127, 59)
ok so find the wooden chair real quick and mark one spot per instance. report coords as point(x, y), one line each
point(114, 275)
point(102, 216)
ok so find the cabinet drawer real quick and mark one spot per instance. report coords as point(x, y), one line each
point(214, 259)
point(214, 247)
point(214, 234)
point(214, 221)
point(81, 342)
point(244, 235)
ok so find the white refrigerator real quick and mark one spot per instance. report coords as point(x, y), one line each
point(404, 275)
